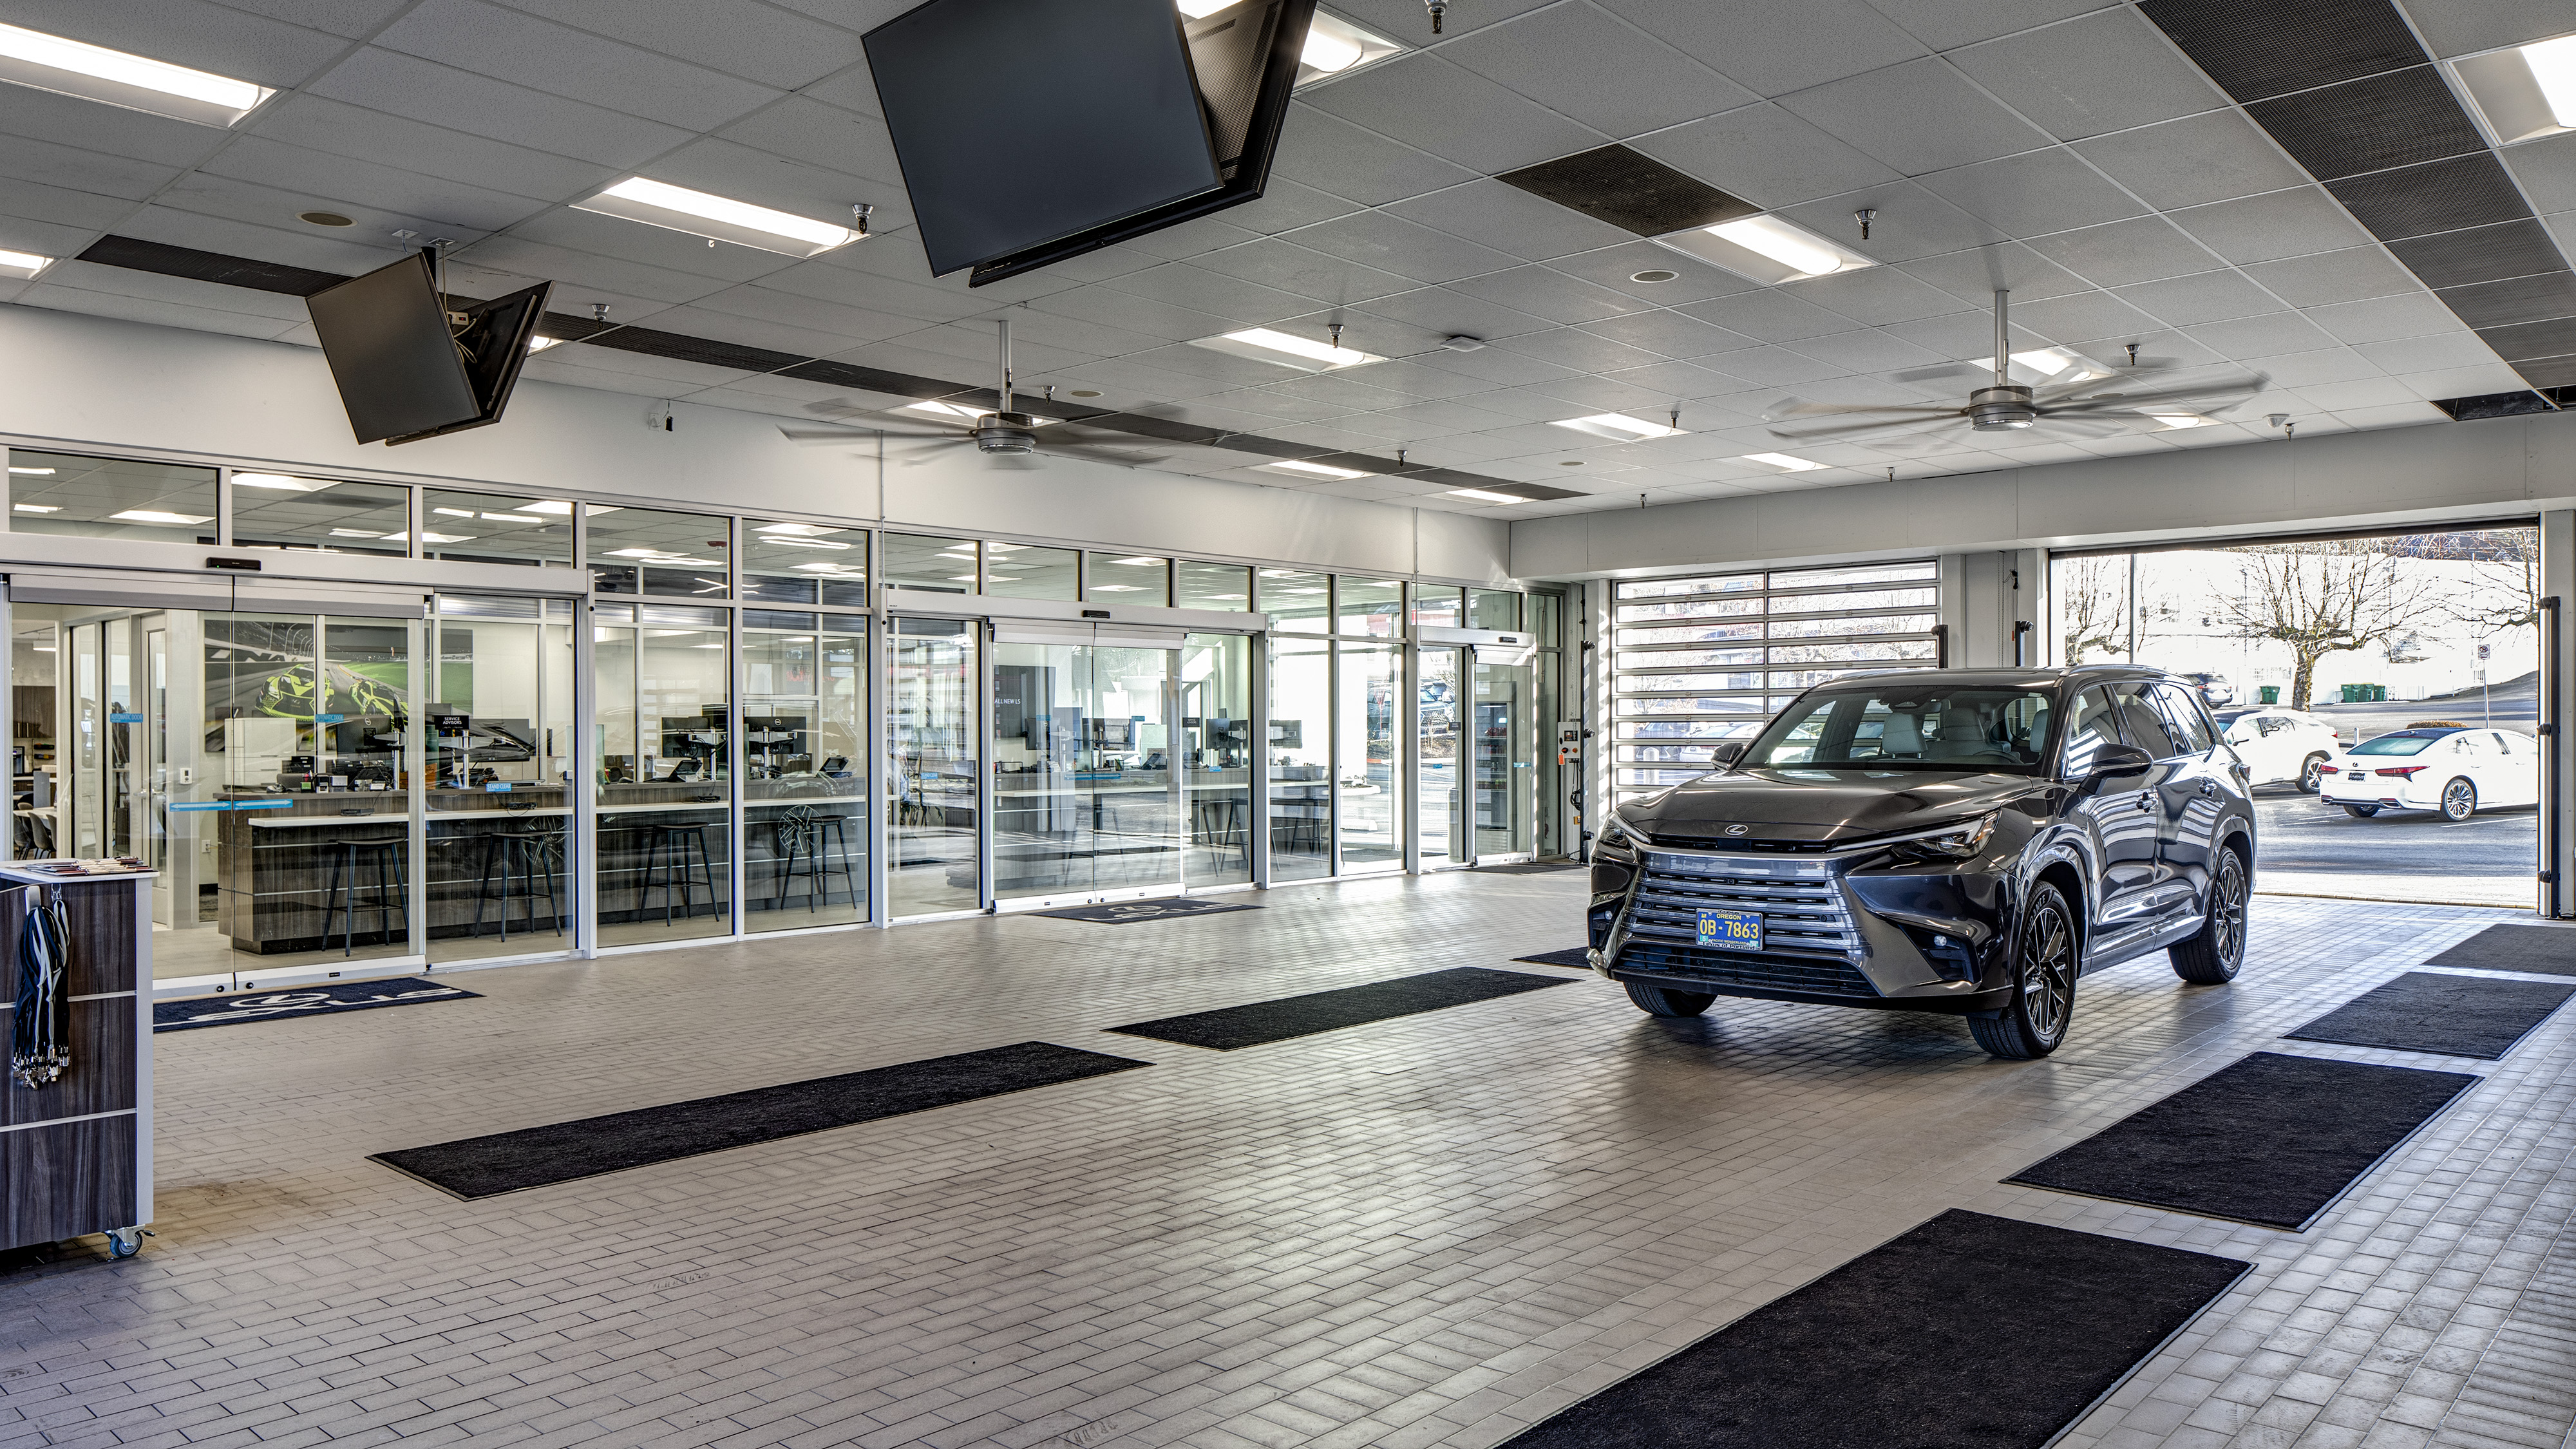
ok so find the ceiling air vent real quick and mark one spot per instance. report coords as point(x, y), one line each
point(1629, 190)
point(2494, 405)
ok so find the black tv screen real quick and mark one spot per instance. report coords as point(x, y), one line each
point(1020, 122)
point(412, 364)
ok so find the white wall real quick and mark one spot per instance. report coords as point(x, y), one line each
point(99, 385)
point(2441, 471)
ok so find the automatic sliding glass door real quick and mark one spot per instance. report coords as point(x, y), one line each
point(1440, 824)
point(1505, 750)
point(1087, 804)
point(934, 777)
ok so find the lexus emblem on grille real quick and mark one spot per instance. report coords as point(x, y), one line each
point(1739, 830)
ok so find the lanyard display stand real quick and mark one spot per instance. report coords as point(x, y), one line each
point(76, 1152)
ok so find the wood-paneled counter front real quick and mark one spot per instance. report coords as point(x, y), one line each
point(76, 1155)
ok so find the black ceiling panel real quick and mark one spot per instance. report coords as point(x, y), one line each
point(2494, 405)
point(1534, 492)
point(2481, 254)
point(2526, 341)
point(1630, 190)
point(151, 256)
point(705, 351)
point(2520, 299)
point(2255, 51)
point(565, 327)
point(2556, 372)
point(2471, 190)
point(871, 379)
point(2397, 119)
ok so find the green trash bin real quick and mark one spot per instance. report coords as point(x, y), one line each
point(2379, 694)
point(2267, 694)
point(2352, 694)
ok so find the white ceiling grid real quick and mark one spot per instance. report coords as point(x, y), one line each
point(2062, 148)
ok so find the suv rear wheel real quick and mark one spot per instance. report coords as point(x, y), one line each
point(1666, 1001)
point(2043, 1000)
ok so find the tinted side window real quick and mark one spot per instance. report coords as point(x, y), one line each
point(2144, 724)
point(2184, 719)
point(2091, 728)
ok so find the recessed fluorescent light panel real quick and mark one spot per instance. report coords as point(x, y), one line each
point(22, 264)
point(540, 344)
point(279, 482)
point(1784, 462)
point(952, 410)
point(2045, 364)
point(95, 73)
point(1311, 470)
point(32, 472)
point(2175, 421)
point(719, 218)
point(1334, 46)
point(1618, 427)
point(1285, 349)
point(1481, 496)
point(1766, 249)
point(154, 515)
point(2523, 92)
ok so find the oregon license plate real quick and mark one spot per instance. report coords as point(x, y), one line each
point(1730, 930)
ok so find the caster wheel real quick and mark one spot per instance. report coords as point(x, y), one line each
point(124, 1242)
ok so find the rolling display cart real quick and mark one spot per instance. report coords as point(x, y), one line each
point(76, 1154)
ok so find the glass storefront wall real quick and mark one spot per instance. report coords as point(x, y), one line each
point(1198, 585)
point(1300, 757)
point(928, 563)
point(934, 769)
point(1368, 679)
point(1298, 602)
point(806, 816)
point(280, 510)
point(804, 563)
point(1086, 803)
point(63, 493)
point(490, 527)
point(1026, 571)
point(501, 855)
point(646, 551)
point(666, 763)
point(1128, 578)
point(1217, 757)
point(1440, 820)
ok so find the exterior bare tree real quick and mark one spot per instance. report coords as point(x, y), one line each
point(2326, 598)
point(2504, 577)
point(2090, 605)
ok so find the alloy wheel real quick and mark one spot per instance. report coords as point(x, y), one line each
point(2459, 800)
point(2048, 973)
point(2227, 909)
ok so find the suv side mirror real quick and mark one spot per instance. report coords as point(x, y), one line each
point(2117, 760)
point(1728, 753)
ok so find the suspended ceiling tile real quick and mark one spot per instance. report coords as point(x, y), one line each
point(62, 298)
point(43, 238)
point(444, 96)
point(1866, 350)
point(79, 210)
point(27, 114)
point(348, 185)
point(1195, 237)
point(1281, 264)
point(512, 46)
point(1580, 62)
point(1392, 244)
point(1957, 335)
point(1876, 296)
point(1420, 379)
point(1506, 217)
point(2298, 222)
point(1618, 267)
point(573, 268)
point(2474, 381)
point(305, 247)
point(1916, 117)
point(1286, 205)
point(1128, 312)
point(1765, 155)
point(2385, 319)
point(757, 41)
point(94, 173)
point(2031, 195)
point(2206, 297)
point(345, 130)
point(2141, 249)
point(2213, 157)
point(2264, 336)
point(1771, 366)
point(1973, 276)
point(2084, 314)
point(2427, 354)
point(1678, 381)
point(1543, 292)
point(2106, 71)
point(2350, 274)
point(1578, 350)
point(1266, 407)
point(1669, 334)
point(651, 246)
point(193, 33)
point(1184, 284)
point(177, 291)
point(1341, 159)
point(2373, 391)
point(1446, 312)
point(1770, 315)
point(2515, 299)
point(729, 169)
point(2321, 367)
point(1774, 50)
point(1453, 113)
point(1911, 223)
point(829, 138)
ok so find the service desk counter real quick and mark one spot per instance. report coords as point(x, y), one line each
point(76, 1153)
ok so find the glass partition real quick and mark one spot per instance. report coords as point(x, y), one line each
point(1370, 607)
point(501, 858)
point(1300, 756)
point(65, 493)
point(805, 770)
point(1297, 602)
point(491, 527)
point(1026, 571)
point(1503, 753)
point(1085, 800)
point(1217, 757)
point(1493, 609)
point(1211, 586)
point(932, 565)
point(279, 510)
point(1371, 781)
point(932, 768)
point(804, 563)
point(646, 551)
point(666, 760)
point(1439, 821)
point(1438, 606)
point(1128, 578)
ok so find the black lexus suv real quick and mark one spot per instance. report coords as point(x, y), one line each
point(1957, 840)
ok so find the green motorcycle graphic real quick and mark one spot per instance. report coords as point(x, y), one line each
point(293, 693)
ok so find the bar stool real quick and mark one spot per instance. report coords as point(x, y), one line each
point(340, 897)
point(803, 835)
point(531, 855)
point(671, 850)
point(1220, 824)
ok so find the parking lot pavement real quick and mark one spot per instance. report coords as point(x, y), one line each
point(2306, 847)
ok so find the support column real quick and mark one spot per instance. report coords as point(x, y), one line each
point(2557, 759)
point(2026, 641)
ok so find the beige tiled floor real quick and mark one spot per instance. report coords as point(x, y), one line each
point(1424, 1231)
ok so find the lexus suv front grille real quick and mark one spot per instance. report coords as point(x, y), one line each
point(1801, 905)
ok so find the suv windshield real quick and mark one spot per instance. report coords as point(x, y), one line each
point(2404, 743)
point(1905, 725)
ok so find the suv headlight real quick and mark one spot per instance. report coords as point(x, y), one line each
point(1957, 843)
point(1619, 841)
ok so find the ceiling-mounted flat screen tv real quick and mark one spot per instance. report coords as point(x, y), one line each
point(413, 364)
point(1034, 130)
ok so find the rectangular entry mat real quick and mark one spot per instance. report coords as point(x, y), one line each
point(1572, 957)
point(2432, 1011)
point(1529, 867)
point(1262, 1022)
point(2540, 950)
point(475, 1167)
point(314, 1000)
point(1128, 913)
point(1969, 1332)
point(2271, 1140)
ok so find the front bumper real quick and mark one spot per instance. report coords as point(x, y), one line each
point(1898, 938)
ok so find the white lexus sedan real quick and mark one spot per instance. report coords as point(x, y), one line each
point(2436, 766)
point(2279, 745)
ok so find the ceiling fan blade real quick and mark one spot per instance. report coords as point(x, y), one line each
point(1941, 372)
point(2110, 394)
point(1122, 457)
point(1881, 428)
point(825, 437)
point(2088, 425)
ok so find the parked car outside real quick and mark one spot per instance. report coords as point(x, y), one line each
point(1969, 841)
point(2281, 745)
point(2436, 765)
point(2215, 690)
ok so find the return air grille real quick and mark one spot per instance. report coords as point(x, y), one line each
point(1629, 190)
point(137, 255)
point(2397, 119)
point(2437, 196)
point(2292, 45)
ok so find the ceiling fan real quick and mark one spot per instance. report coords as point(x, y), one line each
point(1006, 436)
point(2077, 400)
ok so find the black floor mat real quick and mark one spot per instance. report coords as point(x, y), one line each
point(475, 1167)
point(1572, 957)
point(1532, 867)
point(322, 998)
point(2540, 950)
point(1261, 1022)
point(2432, 1011)
point(2270, 1140)
point(1128, 913)
point(1970, 1332)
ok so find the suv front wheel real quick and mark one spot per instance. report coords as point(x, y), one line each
point(2043, 1000)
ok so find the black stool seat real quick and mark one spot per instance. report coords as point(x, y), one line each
point(674, 850)
point(340, 898)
